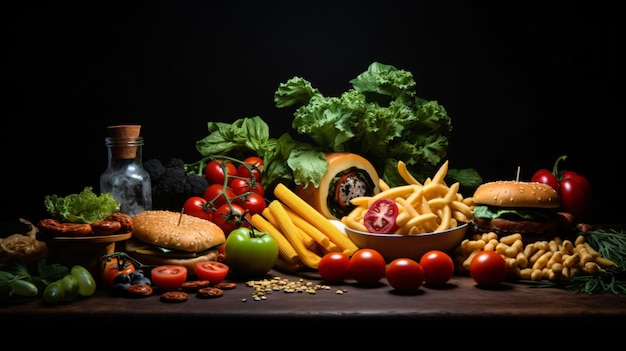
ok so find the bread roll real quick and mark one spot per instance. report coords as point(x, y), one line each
point(517, 194)
point(177, 231)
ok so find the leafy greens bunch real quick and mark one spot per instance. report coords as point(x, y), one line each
point(380, 118)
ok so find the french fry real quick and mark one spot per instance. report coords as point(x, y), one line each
point(310, 230)
point(406, 175)
point(296, 203)
point(289, 229)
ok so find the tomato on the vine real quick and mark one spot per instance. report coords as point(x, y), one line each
point(438, 267)
point(241, 186)
point(334, 267)
point(250, 167)
point(168, 277)
point(231, 217)
point(216, 195)
point(381, 216)
point(217, 170)
point(488, 269)
point(405, 274)
point(112, 267)
point(197, 206)
point(254, 203)
point(367, 266)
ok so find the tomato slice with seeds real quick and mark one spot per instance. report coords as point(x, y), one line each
point(381, 216)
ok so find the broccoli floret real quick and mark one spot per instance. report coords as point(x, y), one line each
point(171, 185)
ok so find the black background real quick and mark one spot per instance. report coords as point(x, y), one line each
point(524, 82)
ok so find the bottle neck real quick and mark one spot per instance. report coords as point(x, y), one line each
point(124, 149)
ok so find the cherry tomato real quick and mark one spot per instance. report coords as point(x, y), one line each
point(112, 267)
point(254, 203)
point(438, 267)
point(216, 195)
point(367, 266)
point(213, 271)
point(244, 185)
point(168, 277)
point(217, 170)
point(251, 168)
point(405, 274)
point(334, 267)
point(197, 206)
point(488, 269)
point(381, 216)
point(231, 217)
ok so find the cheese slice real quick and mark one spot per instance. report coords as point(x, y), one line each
point(323, 198)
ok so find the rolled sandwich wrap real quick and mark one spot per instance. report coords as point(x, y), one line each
point(349, 175)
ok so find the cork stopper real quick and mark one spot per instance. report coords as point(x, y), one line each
point(123, 141)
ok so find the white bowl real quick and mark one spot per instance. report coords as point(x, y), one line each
point(393, 246)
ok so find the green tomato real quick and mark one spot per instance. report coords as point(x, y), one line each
point(52, 293)
point(86, 282)
point(69, 288)
point(249, 253)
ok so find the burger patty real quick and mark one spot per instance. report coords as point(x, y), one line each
point(530, 230)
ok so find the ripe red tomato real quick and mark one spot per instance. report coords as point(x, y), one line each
point(381, 216)
point(254, 203)
point(438, 267)
point(405, 274)
point(546, 177)
point(334, 267)
point(213, 271)
point(216, 170)
point(574, 189)
point(216, 194)
point(576, 196)
point(231, 217)
point(112, 267)
point(251, 168)
point(367, 266)
point(197, 206)
point(244, 185)
point(488, 269)
point(168, 277)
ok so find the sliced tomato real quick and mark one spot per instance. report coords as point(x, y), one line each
point(168, 277)
point(381, 216)
point(213, 271)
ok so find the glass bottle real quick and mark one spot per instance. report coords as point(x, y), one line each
point(125, 178)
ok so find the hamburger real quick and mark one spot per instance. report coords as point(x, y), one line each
point(165, 237)
point(528, 208)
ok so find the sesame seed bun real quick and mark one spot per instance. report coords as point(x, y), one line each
point(517, 194)
point(177, 231)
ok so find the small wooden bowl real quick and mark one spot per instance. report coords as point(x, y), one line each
point(83, 250)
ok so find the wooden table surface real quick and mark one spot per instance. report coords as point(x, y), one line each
point(459, 303)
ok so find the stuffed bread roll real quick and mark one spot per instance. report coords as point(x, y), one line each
point(349, 175)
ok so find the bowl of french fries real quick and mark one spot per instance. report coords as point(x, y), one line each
point(412, 246)
point(431, 215)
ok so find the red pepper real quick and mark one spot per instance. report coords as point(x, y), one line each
point(574, 189)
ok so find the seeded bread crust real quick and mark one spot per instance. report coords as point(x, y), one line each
point(177, 231)
point(517, 194)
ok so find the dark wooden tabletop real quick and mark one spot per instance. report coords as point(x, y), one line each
point(459, 303)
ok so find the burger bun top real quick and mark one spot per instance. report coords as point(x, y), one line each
point(177, 231)
point(517, 194)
